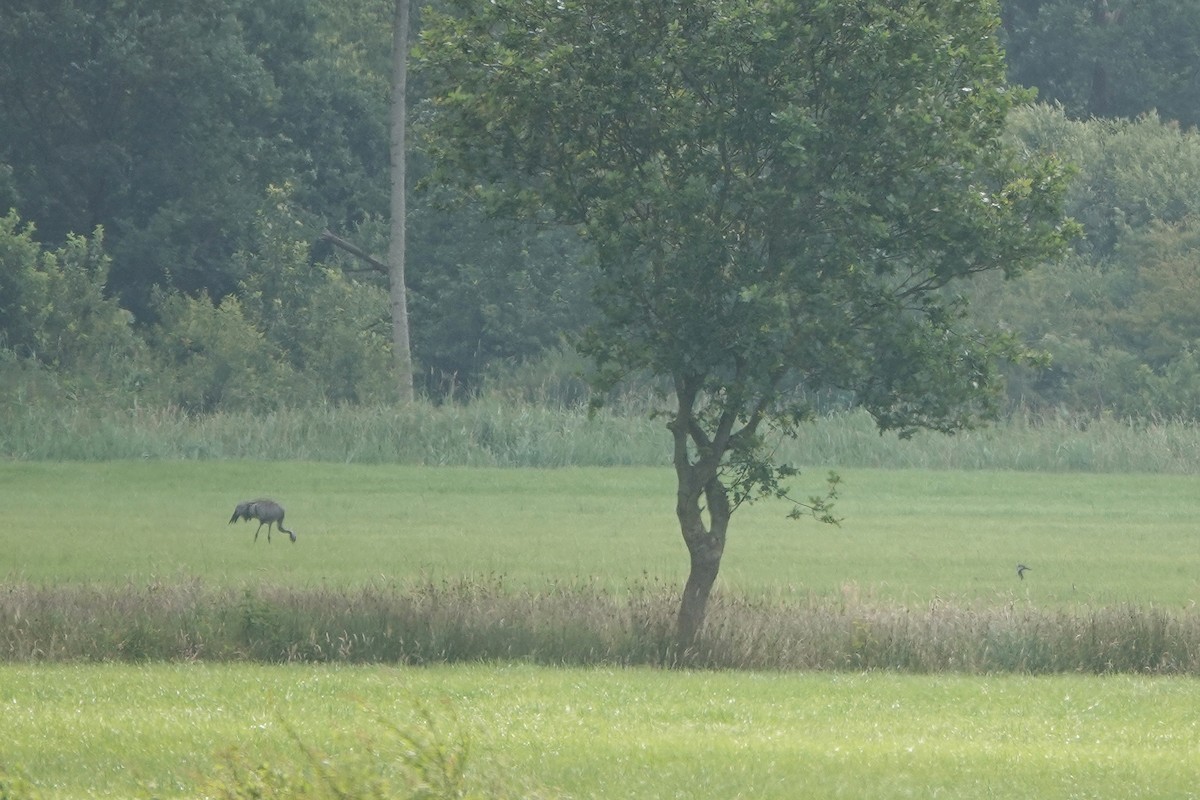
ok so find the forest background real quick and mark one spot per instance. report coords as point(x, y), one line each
point(170, 174)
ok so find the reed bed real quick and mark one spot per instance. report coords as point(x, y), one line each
point(581, 624)
point(495, 431)
point(483, 433)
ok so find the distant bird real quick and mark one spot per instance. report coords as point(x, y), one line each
point(1020, 570)
point(266, 511)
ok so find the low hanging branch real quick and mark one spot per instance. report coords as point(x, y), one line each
point(374, 264)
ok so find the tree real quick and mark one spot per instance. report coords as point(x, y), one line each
point(295, 333)
point(141, 118)
point(780, 195)
point(1108, 58)
point(398, 290)
point(1114, 317)
point(165, 124)
point(489, 292)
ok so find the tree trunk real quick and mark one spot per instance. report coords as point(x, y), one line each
point(398, 291)
point(705, 563)
point(1100, 102)
point(706, 545)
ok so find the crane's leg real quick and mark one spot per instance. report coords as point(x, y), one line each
point(259, 528)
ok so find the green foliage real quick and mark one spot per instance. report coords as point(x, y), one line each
point(1116, 317)
point(19, 256)
point(55, 312)
point(143, 118)
point(166, 129)
point(485, 293)
point(777, 193)
point(331, 118)
point(1107, 58)
point(1130, 173)
point(749, 243)
point(166, 124)
point(332, 330)
point(295, 333)
point(215, 357)
point(557, 379)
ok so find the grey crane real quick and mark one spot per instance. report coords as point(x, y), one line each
point(266, 511)
point(1021, 569)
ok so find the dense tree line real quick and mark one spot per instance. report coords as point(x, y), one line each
point(1118, 316)
point(167, 172)
point(203, 149)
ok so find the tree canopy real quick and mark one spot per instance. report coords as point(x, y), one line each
point(1108, 58)
point(157, 121)
point(170, 128)
point(780, 194)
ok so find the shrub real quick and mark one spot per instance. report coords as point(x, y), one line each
point(214, 357)
point(54, 311)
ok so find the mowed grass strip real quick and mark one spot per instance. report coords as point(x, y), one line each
point(909, 536)
point(79, 731)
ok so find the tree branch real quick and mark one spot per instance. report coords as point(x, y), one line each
point(375, 264)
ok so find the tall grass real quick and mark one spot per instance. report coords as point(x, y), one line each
point(483, 433)
point(471, 620)
point(1022, 441)
point(499, 431)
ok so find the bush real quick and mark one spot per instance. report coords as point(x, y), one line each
point(332, 331)
point(213, 357)
point(55, 314)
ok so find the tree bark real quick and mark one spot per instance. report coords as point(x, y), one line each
point(699, 490)
point(705, 546)
point(1101, 96)
point(398, 292)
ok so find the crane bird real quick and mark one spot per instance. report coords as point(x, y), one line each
point(267, 512)
point(1021, 569)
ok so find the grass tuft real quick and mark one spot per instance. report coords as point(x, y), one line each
point(420, 761)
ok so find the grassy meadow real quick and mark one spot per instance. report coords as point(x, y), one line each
point(172, 730)
point(923, 562)
point(167, 731)
point(907, 536)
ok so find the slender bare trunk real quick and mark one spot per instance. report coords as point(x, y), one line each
point(398, 291)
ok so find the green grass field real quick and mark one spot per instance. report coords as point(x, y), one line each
point(910, 538)
point(908, 535)
point(122, 731)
